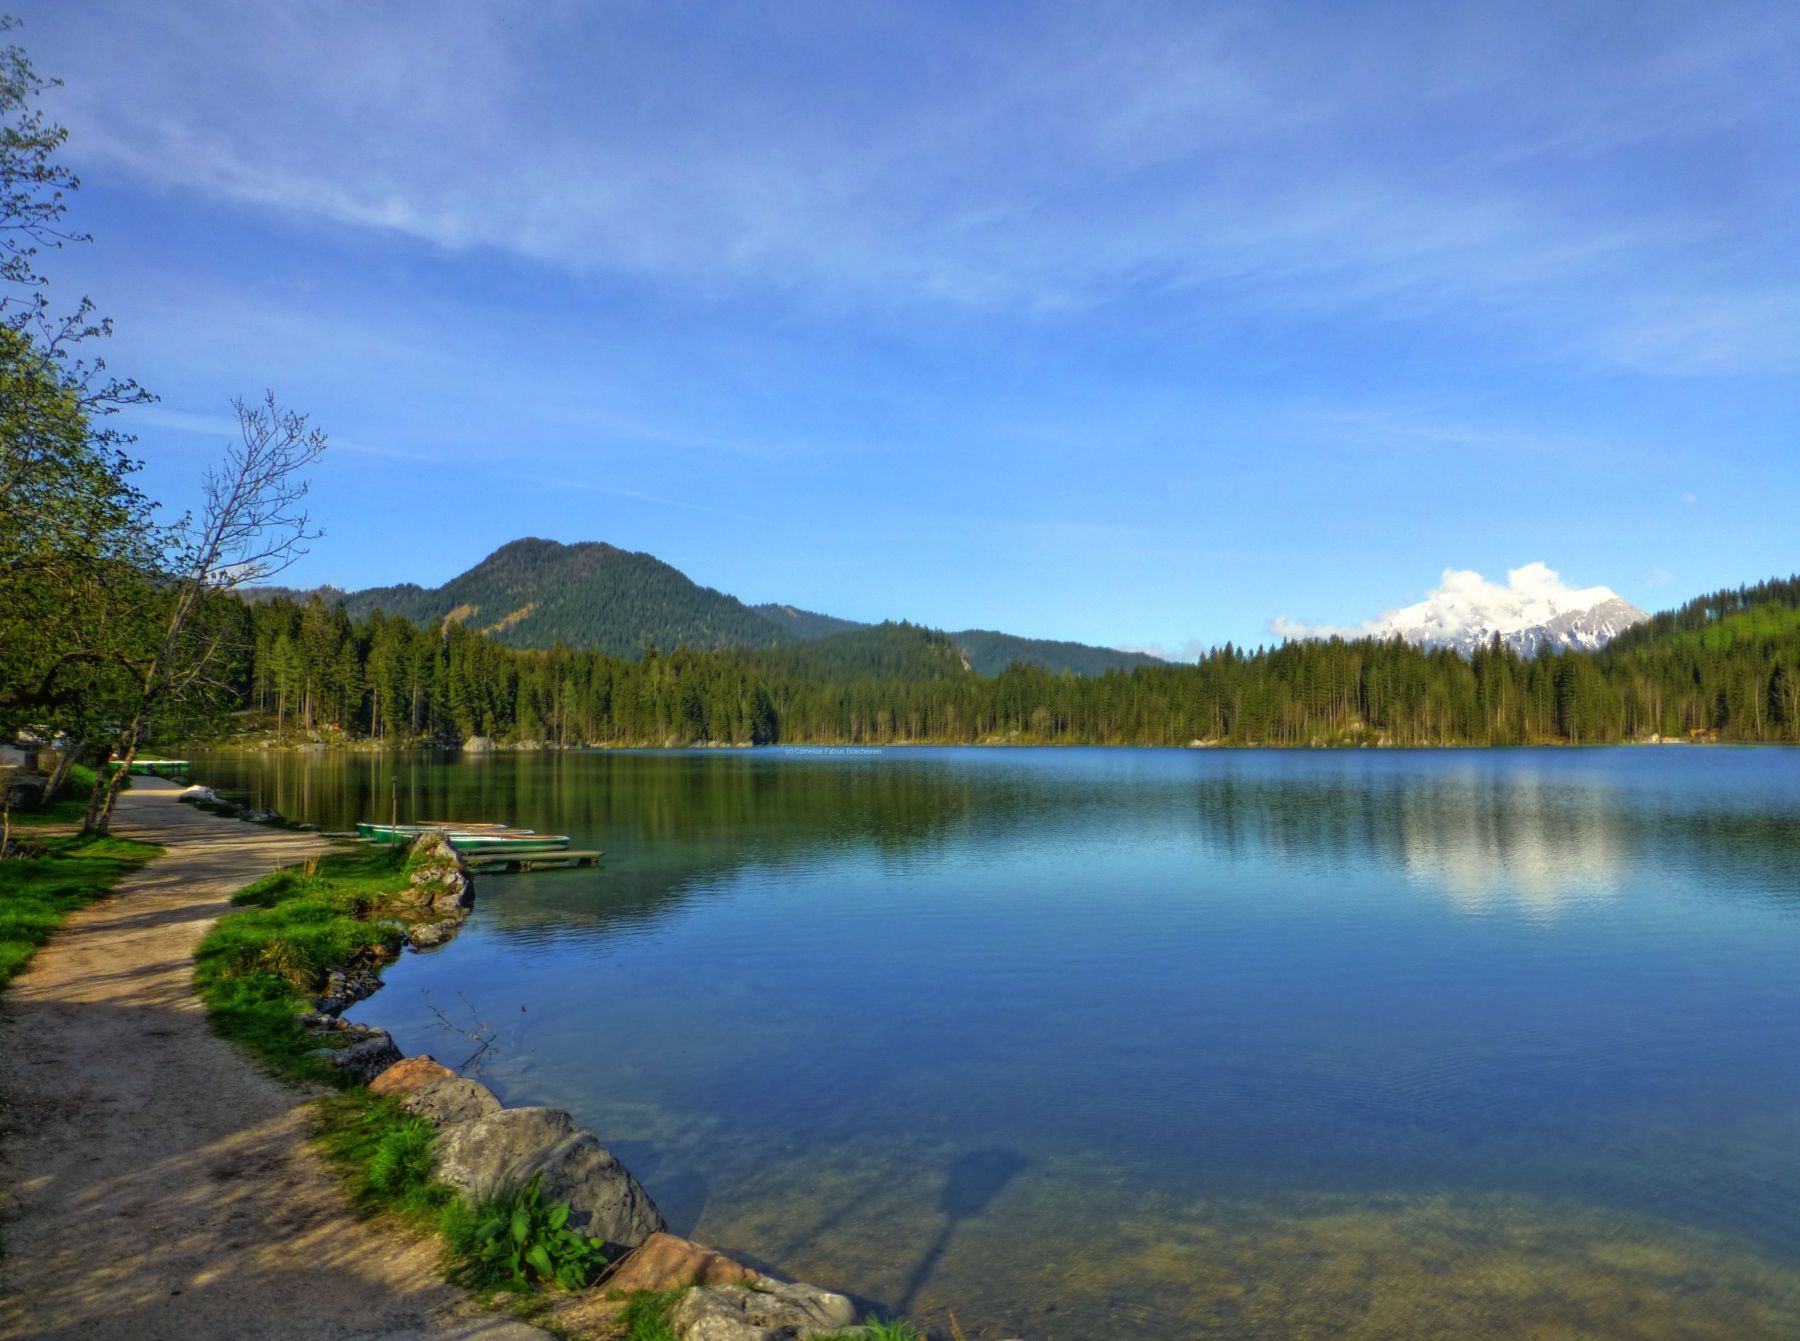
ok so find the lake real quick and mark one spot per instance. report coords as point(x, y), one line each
point(1090, 1043)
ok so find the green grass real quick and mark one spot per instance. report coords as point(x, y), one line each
point(37, 893)
point(646, 1315)
point(383, 1152)
point(258, 969)
point(257, 972)
point(881, 1331)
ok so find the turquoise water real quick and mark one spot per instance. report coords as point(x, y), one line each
point(1096, 1043)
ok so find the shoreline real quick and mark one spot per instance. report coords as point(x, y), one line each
point(370, 1058)
point(815, 748)
point(160, 1183)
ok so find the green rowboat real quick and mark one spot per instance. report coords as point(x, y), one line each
point(152, 768)
point(405, 833)
point(488, 844)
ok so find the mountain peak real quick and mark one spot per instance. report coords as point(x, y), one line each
point(536, 593)
point(1533, 609)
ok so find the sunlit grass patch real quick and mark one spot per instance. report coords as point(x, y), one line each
point(258, 969)
point(37, 893)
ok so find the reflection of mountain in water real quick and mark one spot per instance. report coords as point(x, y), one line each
point(1488, 831)
point(1533, 851)
point(1487, 840)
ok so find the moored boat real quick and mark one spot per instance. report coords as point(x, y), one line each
point(522, 843)
point(405, 833)
point(152, 768)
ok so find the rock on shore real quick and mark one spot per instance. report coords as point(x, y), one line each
point(504, 1149)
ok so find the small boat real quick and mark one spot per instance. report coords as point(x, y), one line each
point(152, 768)
point(496, 843)
point(405, 833)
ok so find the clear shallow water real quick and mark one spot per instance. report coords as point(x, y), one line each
point(1096, 1043)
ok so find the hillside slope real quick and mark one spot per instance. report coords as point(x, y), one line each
point(990, 653)
point(536, 593)
point(596, 597)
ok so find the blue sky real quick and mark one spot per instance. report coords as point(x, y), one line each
point(1142, 325)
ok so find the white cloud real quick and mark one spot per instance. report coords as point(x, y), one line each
point(1687, 496)
point(1464, 602)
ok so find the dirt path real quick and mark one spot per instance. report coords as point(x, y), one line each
point(153, 1183)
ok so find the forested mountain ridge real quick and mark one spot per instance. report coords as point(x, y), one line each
point(1715, 614)
point(806, 624)
point(1725, 667)
point(990, 652)
point(593, 596)
point(535, 593)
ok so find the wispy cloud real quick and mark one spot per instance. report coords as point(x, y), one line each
point(1275, 163)
point(223, 429)
point(589, 487)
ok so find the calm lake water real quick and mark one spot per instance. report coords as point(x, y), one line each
point(1162, 1044)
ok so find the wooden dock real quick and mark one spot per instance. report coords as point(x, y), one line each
point(529, 861)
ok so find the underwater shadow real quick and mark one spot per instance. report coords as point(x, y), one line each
point(971, 1183)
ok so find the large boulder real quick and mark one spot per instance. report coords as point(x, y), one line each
point(774, 1311)
point(410, 1075)
point(440, 883)
point(666, 1262)
point(479, 745)
point(450, 1100)
point(504, 1149)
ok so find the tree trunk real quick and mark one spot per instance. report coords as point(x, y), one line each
point(59, 776)
point(91, 820)
point(108, 785)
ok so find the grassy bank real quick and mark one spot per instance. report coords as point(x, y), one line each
point(259, 969)
point(37, 893)
point(69, 808)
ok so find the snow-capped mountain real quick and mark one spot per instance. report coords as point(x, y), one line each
point(1534, 609)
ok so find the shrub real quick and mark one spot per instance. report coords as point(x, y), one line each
point(515, 1241)
point(401, 1163)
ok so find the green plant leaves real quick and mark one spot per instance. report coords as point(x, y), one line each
point(518, 1243)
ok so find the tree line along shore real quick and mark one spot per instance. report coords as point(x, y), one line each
point(1725, 667)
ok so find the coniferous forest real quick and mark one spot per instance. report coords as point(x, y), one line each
point(1725, 666)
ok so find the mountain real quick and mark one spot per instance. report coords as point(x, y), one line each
point(1767, 613)
point(536, 593)
point(1533, 610)
point(987, 651)
point(805, 623)
point(990, 653)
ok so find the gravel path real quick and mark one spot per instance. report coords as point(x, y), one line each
point(154, 1184)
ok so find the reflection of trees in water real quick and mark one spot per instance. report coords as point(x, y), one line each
point(676, 822)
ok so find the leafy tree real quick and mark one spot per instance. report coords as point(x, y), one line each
point(251, 527)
